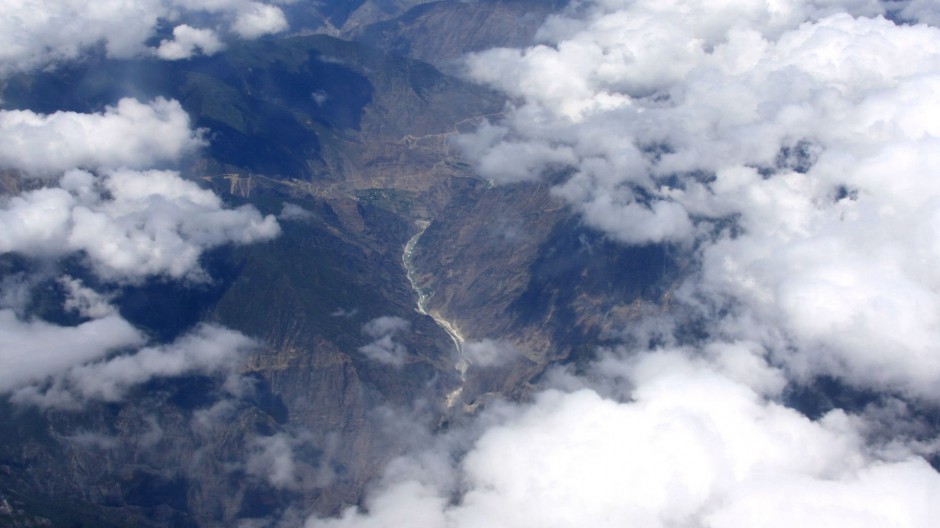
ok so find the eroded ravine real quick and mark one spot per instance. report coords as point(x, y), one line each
point(422, 299)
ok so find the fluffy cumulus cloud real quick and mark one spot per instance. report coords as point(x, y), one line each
point(102, 201)
point(41, 32)
point(188, 41)
point(258, 19)
point(129, 134)
point(794, 145)
point(691, 447)
point(128, 224)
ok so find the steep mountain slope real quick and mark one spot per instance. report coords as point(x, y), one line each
point(441, 32)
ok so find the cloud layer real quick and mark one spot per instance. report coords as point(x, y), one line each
point(789, 150)
point(43, 32)
point(206, 350)
point(793, 145)
point(691, 448)
point(130, 134)
point(128, 223)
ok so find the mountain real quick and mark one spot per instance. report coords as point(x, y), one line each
point(356, 141)
point(279, 263)
point(441, 32)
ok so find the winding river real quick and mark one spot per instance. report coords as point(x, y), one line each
point(423, 295)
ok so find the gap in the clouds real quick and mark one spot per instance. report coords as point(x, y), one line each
point(167, 308)
point(798, 157)
point(148, 489)
point(156, 472)
point(83, 86)
point(41, 280)
point(673, 180)
point(843, 192)
point(654, 152)
point(266, 399)
point(726, 226)
point(889, 416)
point(163, 30)
point(264, 502)
point(339, 12)
point(577, 254)
point(816, 397)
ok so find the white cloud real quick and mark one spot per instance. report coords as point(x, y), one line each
point(257, 19)
point(208, 349)
point(691, 448)
point(186, 41)
point(812, 124)
point(273, 460)
point(85, 301)
point(43, 32)
point(813, 132)
point(294, 212)
point(15, 291)
point(284, 460)
point(384, 348)
point(31, 351)
point(130, 134)
point(129, 224)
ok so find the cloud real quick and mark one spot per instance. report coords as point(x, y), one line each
point(257, 19)
point(32, 350)
point(102, 357)
point(186, 41)
point(273, 460)
point(793, 146)
point(45, 32)
point(129, 134)
point(490, 353)
point(85, 301)
point(690, 448)
point(128, 224)
point(384, 349)
point(208, 350)
point(293, 212)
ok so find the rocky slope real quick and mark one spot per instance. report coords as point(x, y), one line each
point(441, 32)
